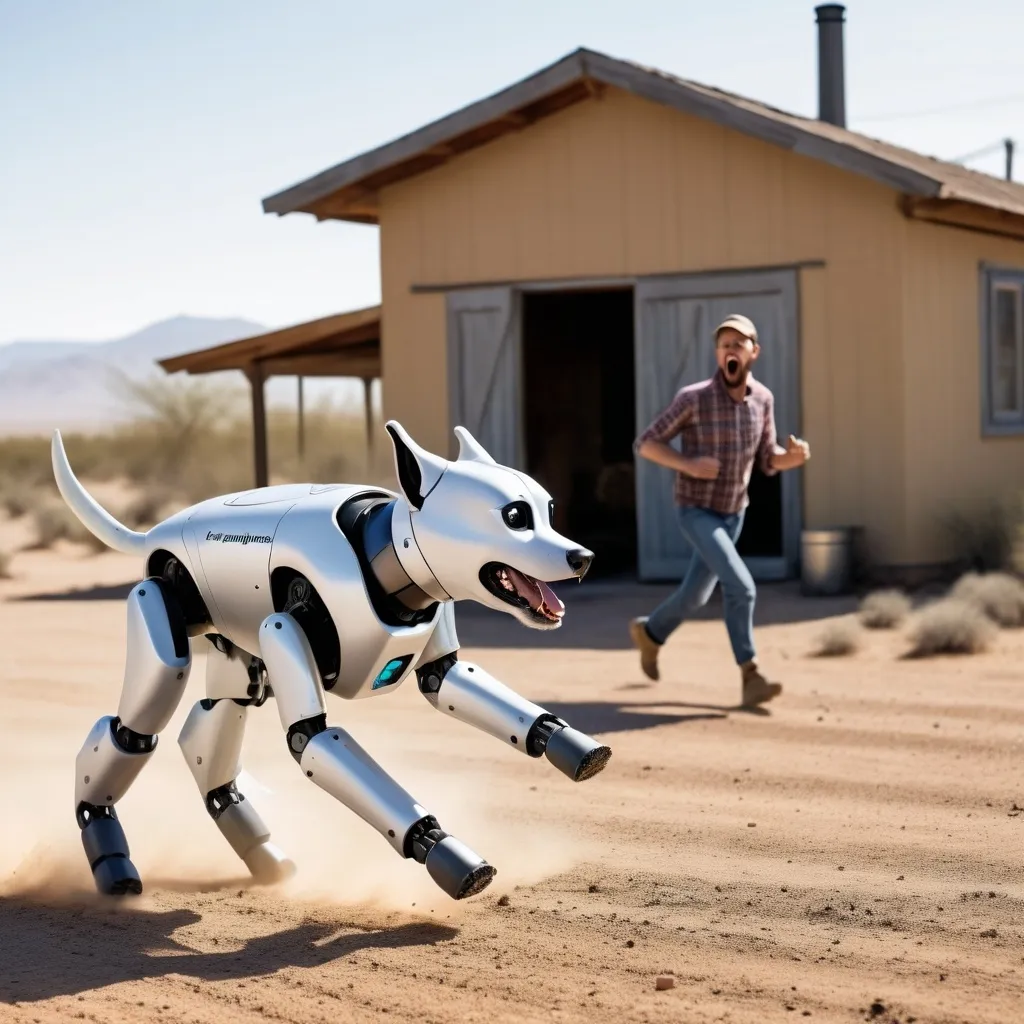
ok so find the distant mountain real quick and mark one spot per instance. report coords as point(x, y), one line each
point(73, 385)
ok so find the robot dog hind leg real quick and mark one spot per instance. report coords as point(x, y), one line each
point(157, 665)
point(211, 741)
point(335, 762)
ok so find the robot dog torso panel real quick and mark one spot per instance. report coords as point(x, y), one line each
point(376, 656)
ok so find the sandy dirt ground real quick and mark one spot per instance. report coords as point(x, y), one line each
point(853, 854)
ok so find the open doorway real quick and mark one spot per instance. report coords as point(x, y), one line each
point(580, 412)
point(762, 528)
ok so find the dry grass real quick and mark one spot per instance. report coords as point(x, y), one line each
point(50, 523)
point(839, 638)
point(53, 521)
point(16, 500)
point(884, 609)
point(951, 626)
point(189, 442)
point(998, 595)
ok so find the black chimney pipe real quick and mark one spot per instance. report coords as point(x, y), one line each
point(831, 76)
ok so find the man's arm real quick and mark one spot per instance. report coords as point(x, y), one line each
point(653, 444)
point(774, 458)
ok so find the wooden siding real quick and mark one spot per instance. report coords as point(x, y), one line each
point(950, 466)
point(621, 187)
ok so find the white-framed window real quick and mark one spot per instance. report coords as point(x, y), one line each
point(1002, 338)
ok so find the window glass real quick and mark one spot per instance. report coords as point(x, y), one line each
point(1006, 328)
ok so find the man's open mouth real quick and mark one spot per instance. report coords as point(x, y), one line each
point(516, 588)
point(732, 366)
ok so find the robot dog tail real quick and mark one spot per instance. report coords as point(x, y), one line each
point(95, 518)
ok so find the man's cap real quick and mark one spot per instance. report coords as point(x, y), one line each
point(744, 325)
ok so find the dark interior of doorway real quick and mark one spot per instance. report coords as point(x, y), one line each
point(580, 417)
point(762, 525)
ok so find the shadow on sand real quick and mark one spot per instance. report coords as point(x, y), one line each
point(110, 592)
point(597, 614)
point(52, 951)
point(598, 717)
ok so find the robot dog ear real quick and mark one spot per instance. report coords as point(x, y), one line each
point(418, 471)
point(470, 449)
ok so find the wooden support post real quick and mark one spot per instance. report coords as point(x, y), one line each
point(368, 409)
point(302, 424)
point(254, 371)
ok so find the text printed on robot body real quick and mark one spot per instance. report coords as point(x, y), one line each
point(239, 538)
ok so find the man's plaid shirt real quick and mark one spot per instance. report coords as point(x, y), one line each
point(710, 423)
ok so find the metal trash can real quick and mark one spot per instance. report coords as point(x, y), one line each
point(827, 561)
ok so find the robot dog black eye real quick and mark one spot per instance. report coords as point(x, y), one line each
point(518, 515)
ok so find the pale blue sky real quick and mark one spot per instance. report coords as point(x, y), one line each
point(137, 139)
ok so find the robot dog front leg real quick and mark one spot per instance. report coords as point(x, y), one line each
point(211, 740)
point(469, 693)
point(335, 762)
point(157, 665)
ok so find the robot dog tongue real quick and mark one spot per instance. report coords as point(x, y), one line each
point(299, 591)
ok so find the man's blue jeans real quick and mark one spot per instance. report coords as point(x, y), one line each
point(711, 545)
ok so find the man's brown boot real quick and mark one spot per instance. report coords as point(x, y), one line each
point(757, 689)
point(647, 647)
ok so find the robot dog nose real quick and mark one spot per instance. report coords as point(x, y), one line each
point(579, 561)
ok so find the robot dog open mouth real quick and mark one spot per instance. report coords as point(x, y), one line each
point(516, 588)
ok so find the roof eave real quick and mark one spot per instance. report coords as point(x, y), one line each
point(314, 195)
point(307, 194)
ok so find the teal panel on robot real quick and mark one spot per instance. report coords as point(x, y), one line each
point(388, 673)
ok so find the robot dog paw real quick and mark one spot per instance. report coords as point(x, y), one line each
point(268, 865)
point(577, 755)
point(457, 869)
point(117, 876)
point(107, 849)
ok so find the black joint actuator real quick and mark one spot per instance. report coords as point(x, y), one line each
point(220, 799)
point(424, 835)
point(540, 732)
point(431, 675)
point(131, 742)
point(302, 732)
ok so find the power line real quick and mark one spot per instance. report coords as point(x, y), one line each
point(1001, 144)
point(971, 105)
point(1004, 144)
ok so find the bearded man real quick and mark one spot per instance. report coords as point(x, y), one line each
point(724, 424)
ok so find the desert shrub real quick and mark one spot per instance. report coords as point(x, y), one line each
point(985, 539)
point(78, 534)
point(15, 499)
point(5, 565)
point(51, 522)
point(838, 638)
point(884, 609)
point(148, 508)
point(15, 504)
point(192, 439)
point(999, 595)
point(951, 626)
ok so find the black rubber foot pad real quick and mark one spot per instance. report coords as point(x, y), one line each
point(476, 881)
point(592, 763)
point(116, 876)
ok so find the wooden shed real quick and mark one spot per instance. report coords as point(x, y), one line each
point(555, 257)
point(342, 345)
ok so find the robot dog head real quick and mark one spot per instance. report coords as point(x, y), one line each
point(476, 530)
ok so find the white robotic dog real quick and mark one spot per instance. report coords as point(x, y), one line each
point(299, 590)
